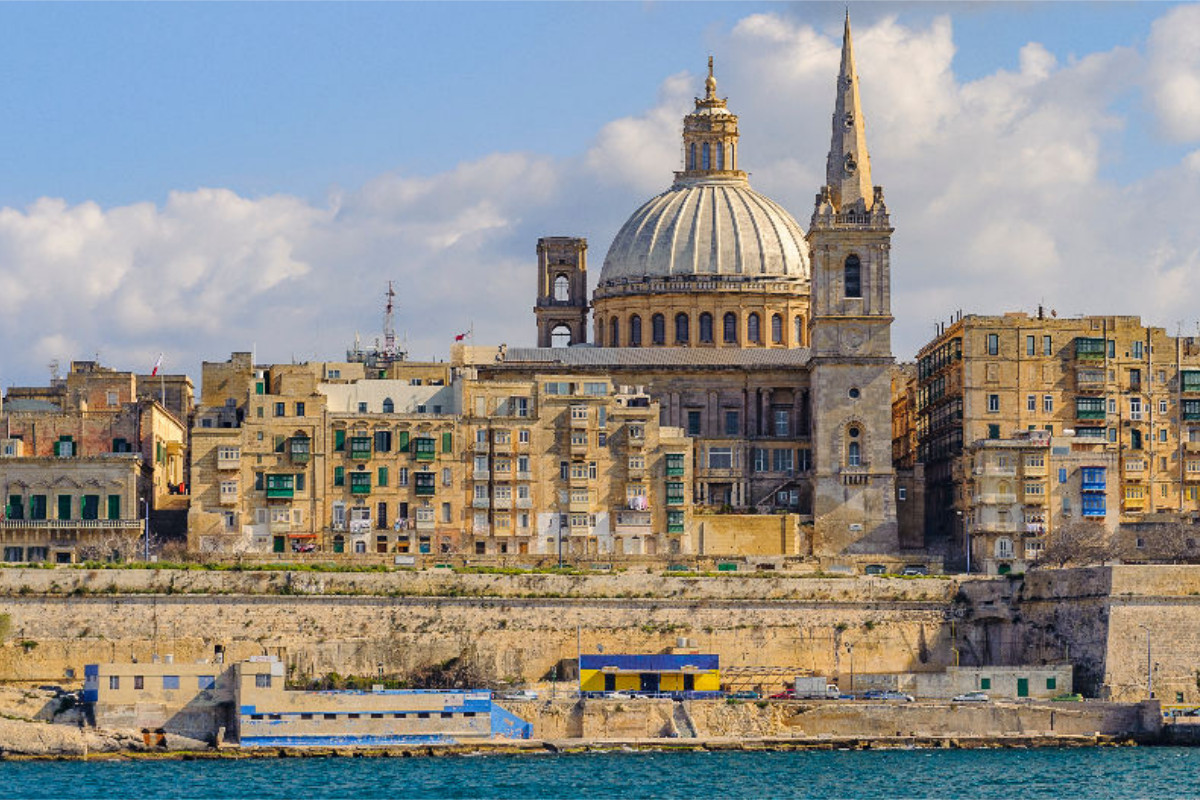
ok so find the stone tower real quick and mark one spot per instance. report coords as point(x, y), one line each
point(850, 333)
point(562, 305)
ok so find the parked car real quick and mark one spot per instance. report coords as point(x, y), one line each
point(972, 697)
point(875, 569)
point(782, 696)
point(872, 694)
point(916, 569)
point(1068, 698)
point(520, 694)
point(908, 698)
point(617, 696)
point(745, 696)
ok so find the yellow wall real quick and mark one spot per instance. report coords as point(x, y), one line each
point(592, 680)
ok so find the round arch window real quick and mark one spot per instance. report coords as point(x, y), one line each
point(854, 393)
point(853, 432)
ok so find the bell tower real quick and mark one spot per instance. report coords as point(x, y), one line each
point(562, 305)
point(849, 241)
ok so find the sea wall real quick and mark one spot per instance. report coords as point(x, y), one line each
point(520, 628)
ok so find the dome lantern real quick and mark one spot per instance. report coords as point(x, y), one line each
point(710, 135)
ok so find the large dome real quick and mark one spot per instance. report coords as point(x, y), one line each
point(708, 226)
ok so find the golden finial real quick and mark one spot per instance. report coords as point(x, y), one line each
point(710, 84)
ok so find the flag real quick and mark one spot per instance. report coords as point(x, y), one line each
point(461, 336)
point(157, 364)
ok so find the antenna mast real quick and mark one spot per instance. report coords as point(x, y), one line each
point(389, 330)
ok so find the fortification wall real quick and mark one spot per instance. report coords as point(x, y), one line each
point(512, 627)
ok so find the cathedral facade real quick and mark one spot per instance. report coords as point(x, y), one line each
point(768, 346)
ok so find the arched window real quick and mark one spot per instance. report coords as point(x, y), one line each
point(777, 329)
point(562, 289)
point(720, 156)
point(658, 329)
point(706, 330)
point(681, 329)
point(853, 277)
point(705, 156)
point(388, 406)
point(799, 330)
point(731, 328)
point(1004, 547)
point(560, 336)
point(614, 333)
point(854, 455)
point(691, 156)
point(752, 332)
point(635, 331)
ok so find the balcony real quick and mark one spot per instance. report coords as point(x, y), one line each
point(481, 475)
point(502, 445)
point(360, 448)
point(637, 441)
point(88, 524)
point(524, 475)
point(579, 417)
point(1090, 379)
point(502, 503)
point(1089, 349)
point(524, 502)
point(481, 447)
point(580, 506)
point(675, 466)
point(994, 471)
point(1191, 447)
point(481, 502)
point(229, 461)
point(426, 489)
point(280, 526)
point(301, 450)
point(579, 446)
point(1089, 414)
point(424, 449)
point(229, 498)
point(994, 499)
point(674, 527)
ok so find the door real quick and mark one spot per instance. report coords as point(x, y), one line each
point(689, 682)
point(649, 681)
point(381, 516)
point(339, 544)
point(1022, 687)
point(277, 545)
point(610, 682)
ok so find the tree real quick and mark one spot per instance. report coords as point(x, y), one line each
point(1077, 542)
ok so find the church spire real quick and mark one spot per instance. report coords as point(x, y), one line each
point(848, 168)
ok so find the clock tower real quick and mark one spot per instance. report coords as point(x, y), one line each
point(849, 237)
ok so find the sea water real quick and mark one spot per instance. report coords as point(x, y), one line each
point(1074, 773)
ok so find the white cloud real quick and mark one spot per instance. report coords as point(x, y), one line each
point(1173, 72)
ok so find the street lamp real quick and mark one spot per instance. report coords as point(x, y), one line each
point(850, 650)
point(1149, 663)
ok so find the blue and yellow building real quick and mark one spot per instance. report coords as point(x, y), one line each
point(676, 675)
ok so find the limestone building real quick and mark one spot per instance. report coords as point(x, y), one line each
point(84, 461)
point(1129, 388)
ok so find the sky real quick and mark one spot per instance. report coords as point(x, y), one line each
point(194, 179)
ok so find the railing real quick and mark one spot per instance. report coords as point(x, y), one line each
point(116, 524)
point(480, 502)
point(480, 447)
point(226, 462)
point(524, 475)
point(993, 498)
point(480, 475)
point(524, 502)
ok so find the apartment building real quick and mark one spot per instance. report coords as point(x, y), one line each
point(1129, 388)
point(83, 462)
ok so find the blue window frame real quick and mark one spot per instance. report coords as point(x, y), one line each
point(1062, 475)
point(206, 681)
point(170, 681)
point(1092, 505)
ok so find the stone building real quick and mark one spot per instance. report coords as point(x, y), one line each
point(83, 462)
point(1128, 387)
point(1022, 492)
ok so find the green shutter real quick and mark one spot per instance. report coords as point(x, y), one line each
point(64, 506)
point(339, 440)
point(403, 448)
point(114, 506)
point(339, 476)
point(447, 442)
point(383, 476)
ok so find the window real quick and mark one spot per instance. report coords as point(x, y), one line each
point(753, 333)
point(658, 329)
point(777, 329)
point(780, 418)
point(1137, 349)
point(172, 681)
point(280, 409)
point(1031, 403)
point(993, 402)
point(799, 331)
point(720, 458)
point(761, 459)
point(262, 681)
point(706, 328)
point(681, 329)
point(852, 277)
point(114, 682)
point(614, 333)
point(729, 326)
point(1135, 439)
point(1162, 406)
point(383, 441)
point(299, 409)
point(1030, 345)
point(901, 493)
point(206, 682)
point(782, 460)
point(993, 431)
point(1048, 404)
point(635, 331)
point(854, 455)
point(993, 344)
point(1135, 408)
point(339, 440)
point(693, 422)
point(1047, 346)
point(732, 423)
point(382, 476)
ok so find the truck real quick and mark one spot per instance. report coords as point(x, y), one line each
point(814, 687)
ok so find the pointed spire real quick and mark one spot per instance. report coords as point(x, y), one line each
point(848, 168)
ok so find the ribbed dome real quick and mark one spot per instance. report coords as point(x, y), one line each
point(708, 226)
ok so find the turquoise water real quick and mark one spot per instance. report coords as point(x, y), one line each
point(960, 774)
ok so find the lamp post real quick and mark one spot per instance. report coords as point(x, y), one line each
point(1149, 663)
point(850, 650)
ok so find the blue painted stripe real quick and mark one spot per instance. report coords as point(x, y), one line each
point(343, 741)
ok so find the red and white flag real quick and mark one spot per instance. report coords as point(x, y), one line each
point(157, 364)
point(462, 336)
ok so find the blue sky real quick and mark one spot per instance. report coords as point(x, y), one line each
point(340, 145)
